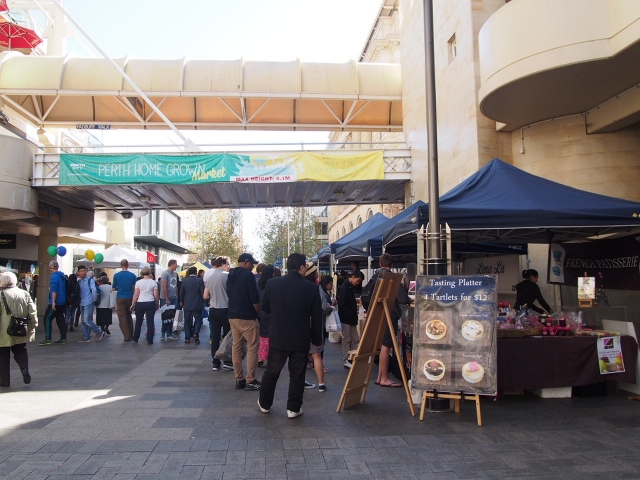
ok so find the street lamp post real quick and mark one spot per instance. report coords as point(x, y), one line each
point(436, 265)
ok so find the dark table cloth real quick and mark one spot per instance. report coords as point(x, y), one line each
point(551, 362)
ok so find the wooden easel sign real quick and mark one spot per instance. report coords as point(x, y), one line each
point(454, 345)
point(378, 319)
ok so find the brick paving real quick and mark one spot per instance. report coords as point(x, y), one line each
point(116, 410)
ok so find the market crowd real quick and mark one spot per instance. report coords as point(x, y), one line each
point(250, 315)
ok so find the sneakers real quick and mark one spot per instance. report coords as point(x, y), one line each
point(215, 368)
point(241, 385)
point(227, 366)
point(84, 340)
point(263, 410)
point(292, 414)
point(322, 388)
point(347, 364)
point(27, 378)
point(99, 336)
point(255, 385)
point(163, 337)
point(45, 342)
point(171, 337)
point(62, 341)
point(107, 332)
point(308, 385)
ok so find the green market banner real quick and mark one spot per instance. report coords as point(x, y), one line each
point(79, 169)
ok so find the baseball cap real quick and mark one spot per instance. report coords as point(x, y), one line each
point(53, 264)
point(247, 257)
point(311, 267)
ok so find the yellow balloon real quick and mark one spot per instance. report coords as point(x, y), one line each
point(89, 255)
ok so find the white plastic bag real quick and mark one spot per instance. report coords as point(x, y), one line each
point(178, 322)
point(333, 321)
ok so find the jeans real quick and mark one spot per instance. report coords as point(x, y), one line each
point(249, 331)
point(218, 319)
point(190, 315)
point(168, 327)
point(88, 324)
point(142, 309)
point(58, 314)
point(297, 370)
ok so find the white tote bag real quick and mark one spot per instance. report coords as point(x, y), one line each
point(333, 321)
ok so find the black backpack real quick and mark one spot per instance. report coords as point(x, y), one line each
point(367, 291)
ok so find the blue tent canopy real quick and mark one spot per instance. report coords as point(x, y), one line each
point(370, 242)
point(363, 229)
point(501, 203)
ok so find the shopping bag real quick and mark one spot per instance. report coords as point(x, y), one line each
point(178, 322)
point(168, 313)
point(333, 322)
point(225, 352)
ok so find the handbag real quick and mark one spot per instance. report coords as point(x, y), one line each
point(178, 321)
point(18, 326)
point(333, 322)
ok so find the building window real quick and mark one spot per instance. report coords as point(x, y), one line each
point(350, 227)
point(369, 214)
point(344, 231)
point(452, 47)
point(359, 220)
point(169, 226)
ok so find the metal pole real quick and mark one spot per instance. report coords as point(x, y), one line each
point(436, 265)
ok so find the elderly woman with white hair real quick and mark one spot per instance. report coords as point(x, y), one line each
point(15, 301)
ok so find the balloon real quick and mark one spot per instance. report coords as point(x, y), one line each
point(89, 255)
point(98, 258)
point(52, 251)
point(62, 251)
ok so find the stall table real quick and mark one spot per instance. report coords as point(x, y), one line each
point(553, 362)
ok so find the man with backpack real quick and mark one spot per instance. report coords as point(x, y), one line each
point(88, 297)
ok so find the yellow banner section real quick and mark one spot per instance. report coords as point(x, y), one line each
point(322, 167)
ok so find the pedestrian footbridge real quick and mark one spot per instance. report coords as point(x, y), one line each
point(138, 182)
point(64, 92)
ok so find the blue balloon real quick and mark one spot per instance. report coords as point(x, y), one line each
point(62, 251)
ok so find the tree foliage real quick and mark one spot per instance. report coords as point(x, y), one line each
point(298, 224)
point(213, 234)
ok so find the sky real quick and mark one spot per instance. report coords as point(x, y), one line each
point(276, 30)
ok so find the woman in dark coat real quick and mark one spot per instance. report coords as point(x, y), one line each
point(528, 292)
point(265, 317)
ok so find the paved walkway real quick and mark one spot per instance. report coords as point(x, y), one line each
point(120, 410)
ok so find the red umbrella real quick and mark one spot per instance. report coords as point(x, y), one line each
point(15, 37)
point(3, 6)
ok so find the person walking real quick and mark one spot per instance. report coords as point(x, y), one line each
point(103, 309)
point(88, 295)
point(145, 302)
point(33, 288)
point(169, 295)
point(191, 297)
point(57, 306)
point(244, 311)
point(265, 318)
point(348, 311)
point(295, 324)
point(73, 302)
point(123, 284)
point(216, 292)
point(19, 303)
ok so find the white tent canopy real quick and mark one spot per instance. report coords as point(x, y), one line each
point(114, 255)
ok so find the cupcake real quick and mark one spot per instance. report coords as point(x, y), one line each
point(472, 330)
point(472, 372)
point(434, 369)
point(436, 329)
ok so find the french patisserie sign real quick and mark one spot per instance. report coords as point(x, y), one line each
point(454, 345)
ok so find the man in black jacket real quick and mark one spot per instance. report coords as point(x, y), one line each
point(244, 311)
point(348, 311)
point(191, 297)
point(296, 322)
